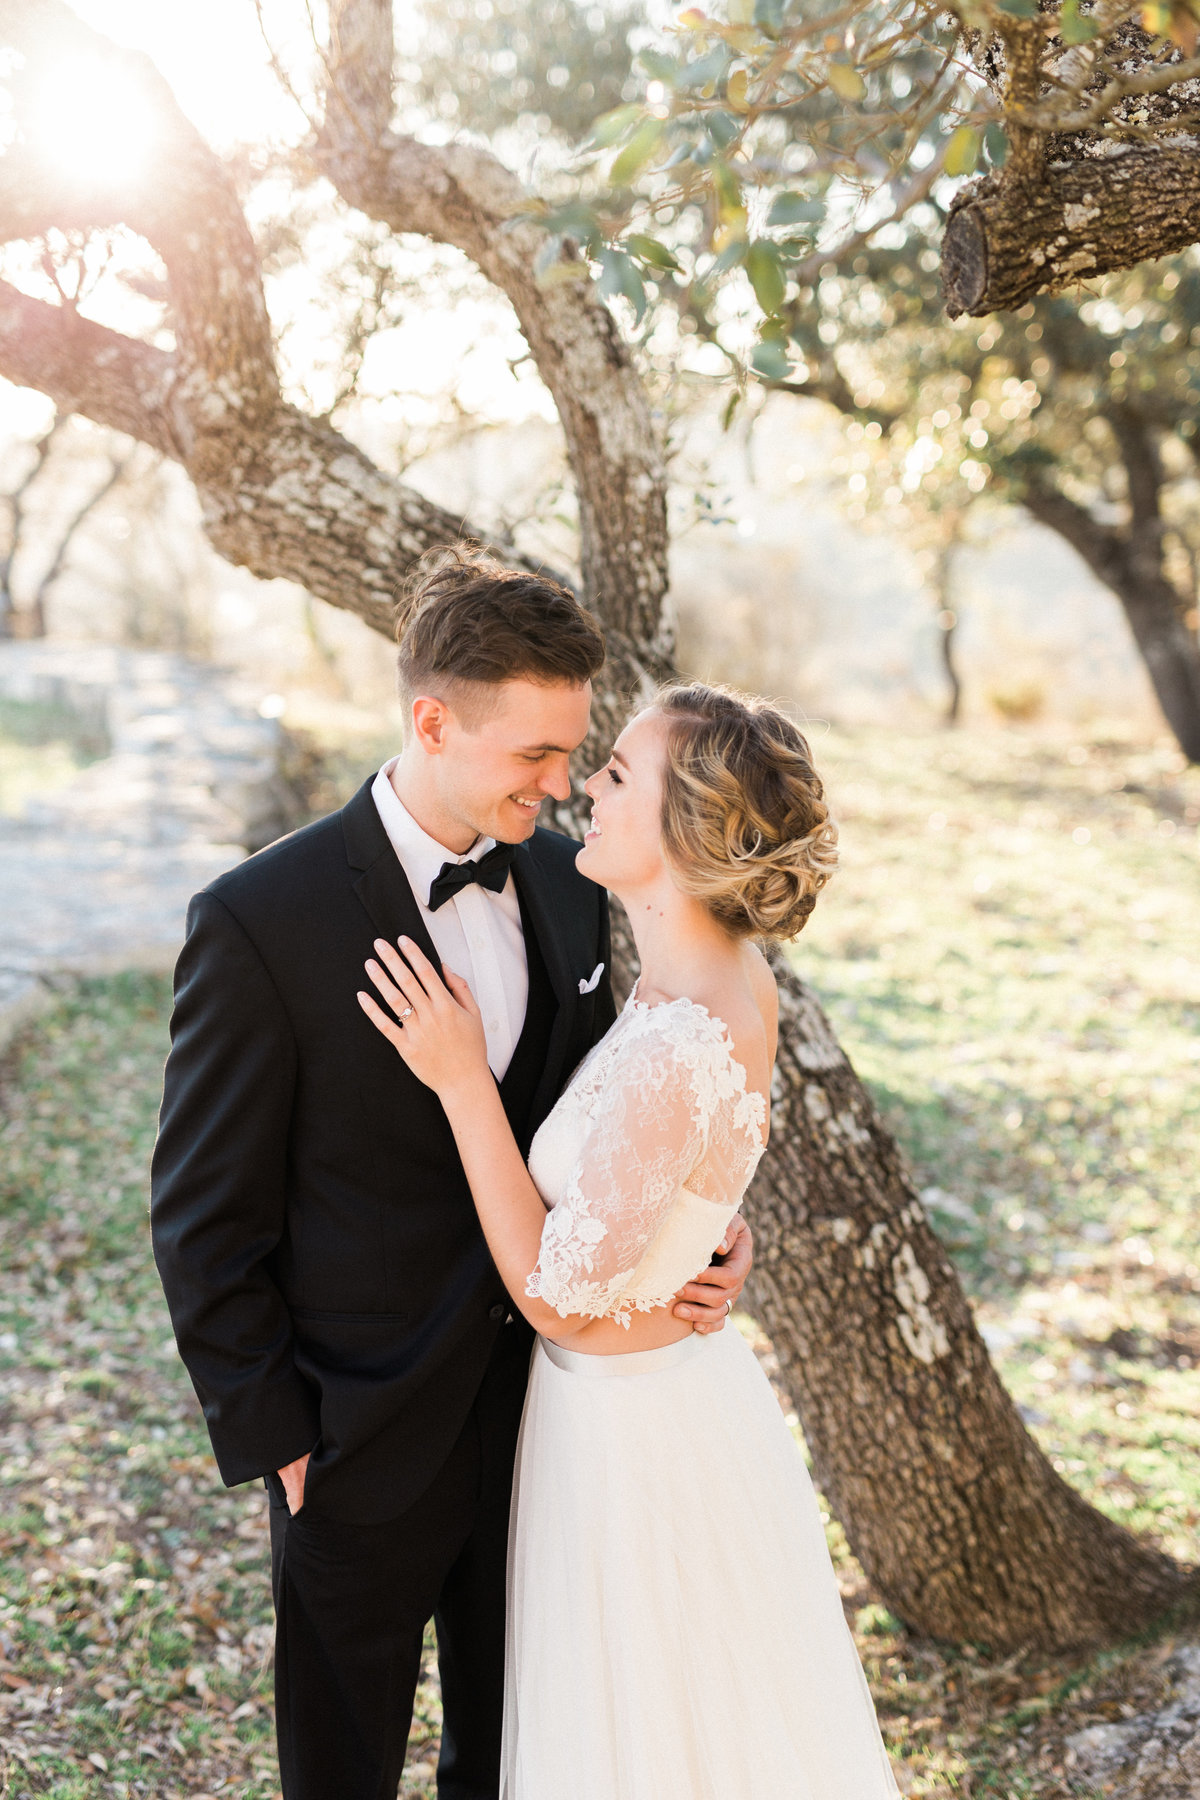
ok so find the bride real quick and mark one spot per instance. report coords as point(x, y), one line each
point(622, 1682)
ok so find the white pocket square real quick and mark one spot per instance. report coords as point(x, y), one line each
point(586, 987)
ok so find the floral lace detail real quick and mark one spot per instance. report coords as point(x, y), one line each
point(644, 1161)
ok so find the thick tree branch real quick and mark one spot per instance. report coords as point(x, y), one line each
point(464, 196)
point(86, 368)
point(183, 203)
point(1008, 238)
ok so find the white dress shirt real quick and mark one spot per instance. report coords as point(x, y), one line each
point(476, 933)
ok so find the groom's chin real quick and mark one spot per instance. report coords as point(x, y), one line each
point(515, 823)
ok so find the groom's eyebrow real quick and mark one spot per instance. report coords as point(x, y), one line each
point(548, 749)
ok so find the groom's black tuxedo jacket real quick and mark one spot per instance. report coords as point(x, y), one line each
point(328, 1282)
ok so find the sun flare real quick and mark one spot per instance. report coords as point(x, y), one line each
point(93, 123)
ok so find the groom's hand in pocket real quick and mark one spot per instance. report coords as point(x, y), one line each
point(292, 1478)
point(709, 1300)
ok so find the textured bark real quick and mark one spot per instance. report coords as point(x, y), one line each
point(1013, 235)
point(952, 1508)
point(463, 195)
point(1130, 562)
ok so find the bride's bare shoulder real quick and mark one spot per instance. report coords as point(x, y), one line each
point(766, 994)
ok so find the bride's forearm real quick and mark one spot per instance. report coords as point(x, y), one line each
point(511, 1210)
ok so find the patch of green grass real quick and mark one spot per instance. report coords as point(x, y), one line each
point(42, 745)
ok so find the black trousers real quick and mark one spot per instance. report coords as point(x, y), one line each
point(352, 1603)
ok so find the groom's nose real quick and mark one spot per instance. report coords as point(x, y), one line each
point(556, 778)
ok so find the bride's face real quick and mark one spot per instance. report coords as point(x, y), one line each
point(623, 849)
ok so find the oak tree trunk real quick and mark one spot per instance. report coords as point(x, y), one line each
point(954, 1511)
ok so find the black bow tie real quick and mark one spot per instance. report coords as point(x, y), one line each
point(490, 871)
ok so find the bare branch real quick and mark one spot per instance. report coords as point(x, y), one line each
point(86, 368)
point(117, 468)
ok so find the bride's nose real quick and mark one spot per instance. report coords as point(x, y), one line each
point(587, 786)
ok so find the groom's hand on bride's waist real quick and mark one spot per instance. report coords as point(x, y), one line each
point(709, 1300)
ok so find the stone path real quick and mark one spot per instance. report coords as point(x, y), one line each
point(98, 875)
point(1155, 1756)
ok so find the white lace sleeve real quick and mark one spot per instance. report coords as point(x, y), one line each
point(673, 1113)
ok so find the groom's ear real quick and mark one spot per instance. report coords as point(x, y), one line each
point(430, 718)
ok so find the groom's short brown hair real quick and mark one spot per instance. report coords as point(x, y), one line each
point(468, 623)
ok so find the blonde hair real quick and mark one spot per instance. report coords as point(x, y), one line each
point(745, 825)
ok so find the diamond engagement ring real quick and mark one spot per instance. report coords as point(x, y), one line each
point(406, 1014)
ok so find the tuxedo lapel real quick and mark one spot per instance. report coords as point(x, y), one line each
point(536, 893)
point(381, 883)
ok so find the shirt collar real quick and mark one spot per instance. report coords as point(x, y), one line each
point(421, 856)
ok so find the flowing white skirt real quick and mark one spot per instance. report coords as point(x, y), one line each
point(674, 1625)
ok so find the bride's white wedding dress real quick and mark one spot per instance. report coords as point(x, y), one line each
point(674, 1625)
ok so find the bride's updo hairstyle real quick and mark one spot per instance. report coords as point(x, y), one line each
point(745, 825)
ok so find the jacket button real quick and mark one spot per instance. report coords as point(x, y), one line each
point(497, 1312)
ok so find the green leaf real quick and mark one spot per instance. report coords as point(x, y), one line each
point(770, 360)
point(547, 255)
point(731, 257)
point(619, 276)
point(1018, 9)
point(730, 407)
point(846, 82)
point(766, 275)
point(722, 128)
point(709, 67)
point(1073, 27)
point(768, 16)
point(637, 153)
point(577, 221)
point(649, 250)
point(795, 209)
point(660, 66)
point(613, 125)
point(728, 188)
point(996, 144)
point(962, 154)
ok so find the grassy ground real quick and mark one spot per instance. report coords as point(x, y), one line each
point(1023, 1000)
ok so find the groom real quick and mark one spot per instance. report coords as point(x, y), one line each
point(331, 1292)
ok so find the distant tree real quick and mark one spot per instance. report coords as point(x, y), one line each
point(27, 543)
point(1084, 411)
